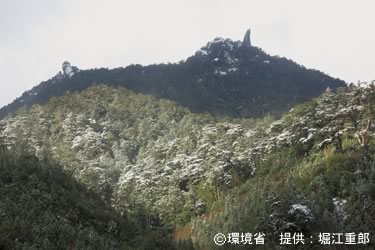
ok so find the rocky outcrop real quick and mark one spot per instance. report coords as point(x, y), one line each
point(68, 70)
point(225, 77)
point(246, 40)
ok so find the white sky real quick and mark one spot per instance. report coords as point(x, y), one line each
point(36, 36)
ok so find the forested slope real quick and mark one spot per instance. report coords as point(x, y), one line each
point(198, 174)
point(224, 77)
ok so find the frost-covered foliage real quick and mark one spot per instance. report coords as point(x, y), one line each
point(316, 173)
point(43, 207)
point(135, 150)
point(132, 148)
point(327, 120)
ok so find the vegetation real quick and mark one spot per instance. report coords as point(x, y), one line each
point(222, 78)
point(43, 207)
point(320, 178)
point(167, 172)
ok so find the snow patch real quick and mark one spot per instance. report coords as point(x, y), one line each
point(301, 210)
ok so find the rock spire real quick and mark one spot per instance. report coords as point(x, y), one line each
point(246, 40)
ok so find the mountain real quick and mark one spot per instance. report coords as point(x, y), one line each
point(166, 156)
point(199, 174)
point(225, 77)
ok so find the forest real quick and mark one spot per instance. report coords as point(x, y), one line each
point(110, 168)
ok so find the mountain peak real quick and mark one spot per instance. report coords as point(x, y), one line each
point(224, 77)
point(68, 70)
point(246, 40)
point(225, 48)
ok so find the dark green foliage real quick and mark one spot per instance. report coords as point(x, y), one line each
point(335, 185)
point(42, 207)
point(229, 80)
point(264, 203)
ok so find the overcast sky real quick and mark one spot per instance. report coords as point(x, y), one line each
point(36, 36)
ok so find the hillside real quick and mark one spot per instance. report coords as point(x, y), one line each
point(43, 207)
point(224, 77)
point(198, 174)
